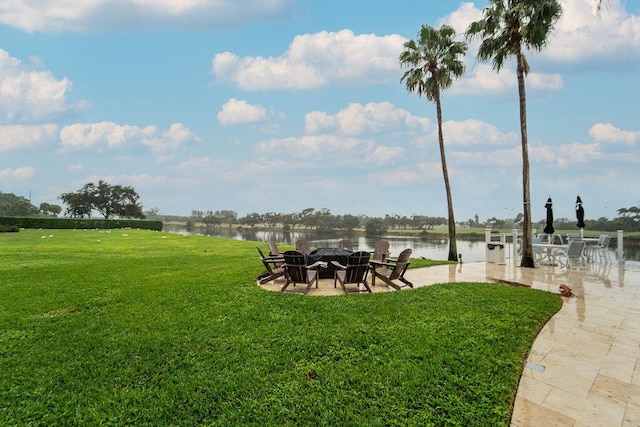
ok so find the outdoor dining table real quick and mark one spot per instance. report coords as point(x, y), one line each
point(327, 255)
point(548, 252)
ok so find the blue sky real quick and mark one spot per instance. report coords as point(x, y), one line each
point(281, 105)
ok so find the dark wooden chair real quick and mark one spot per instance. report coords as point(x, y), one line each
point(273, 249)
point(392, 270)
point(380, 251)
point(274, 268)
point(302, 245)
point(345, 244)
point(296, 271)
point(355, 272)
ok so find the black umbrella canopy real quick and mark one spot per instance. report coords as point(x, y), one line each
point(548, 228)
point(579, 213)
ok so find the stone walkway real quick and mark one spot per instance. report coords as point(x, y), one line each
point(584, 366)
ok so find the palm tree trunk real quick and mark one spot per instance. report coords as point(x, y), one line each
point(527, 248)
point(453, 247)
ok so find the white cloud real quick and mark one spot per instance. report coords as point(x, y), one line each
point(608, 133)
point(371, 118)
point(565, 155)
point(583, 34)
point(109, 134)
point(268, 165)
point(340, 149)
point(195, 168)
point(176, 136)
point(467, 132)
point(545, 82)
point(19, 136)
point(101, 15)
point(396, 178)
point(141, 180)
point(507, 157)
point(236, 112)
point(420, 173)
point(193, 164)
point(569, 155)
point(482, 79)
point(383, 154)
point(27, 95)
point(540, 156)
point(461, 17)
point(474, 132)
point(315, 60)
point(19, 174)
point(319, 59)
point(87, 135)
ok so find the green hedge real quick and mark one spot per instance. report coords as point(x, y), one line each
point(77, 223)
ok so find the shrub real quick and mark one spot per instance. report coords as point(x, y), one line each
point(77, 223)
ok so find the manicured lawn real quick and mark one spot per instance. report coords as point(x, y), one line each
point(147, 328)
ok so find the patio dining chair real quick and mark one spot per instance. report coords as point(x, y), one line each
point(391, 271)
point(601, 248)
point(296, 271)
point(572, 254)
point(354, 273)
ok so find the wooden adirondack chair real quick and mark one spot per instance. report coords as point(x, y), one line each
point(345, 244)
point(274, 267)
point(380, 251)
point(296, 271)
point(302, 245)
point(273, 249)
point(392, 270)
point(355, 272)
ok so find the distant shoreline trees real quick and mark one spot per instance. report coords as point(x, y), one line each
point(310, 219)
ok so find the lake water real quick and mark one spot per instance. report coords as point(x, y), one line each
point(430, 248)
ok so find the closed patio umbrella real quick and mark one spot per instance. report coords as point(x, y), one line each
point(548, 228)
point(580, 215)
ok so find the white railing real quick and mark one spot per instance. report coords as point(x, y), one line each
point(497, 242)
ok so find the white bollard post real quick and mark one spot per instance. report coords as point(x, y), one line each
point(620, 247)
point(514, 246)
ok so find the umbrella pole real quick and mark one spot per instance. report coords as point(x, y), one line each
point(581, 233)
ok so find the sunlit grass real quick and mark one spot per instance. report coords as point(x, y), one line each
point(137, 327)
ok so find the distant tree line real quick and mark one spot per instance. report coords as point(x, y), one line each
point(323, 220)
point(313, 219)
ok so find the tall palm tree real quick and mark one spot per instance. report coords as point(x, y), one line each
point(433, 60)
point(508, 27)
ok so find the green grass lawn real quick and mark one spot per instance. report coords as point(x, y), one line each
point(136, 327)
